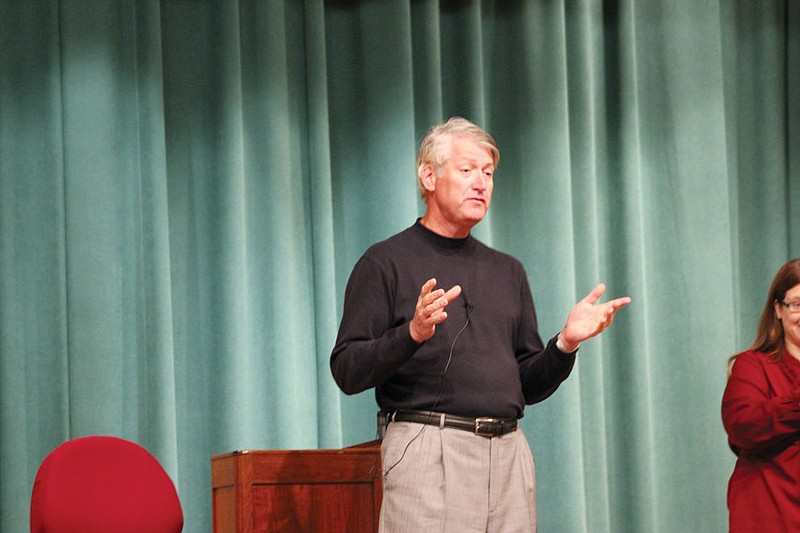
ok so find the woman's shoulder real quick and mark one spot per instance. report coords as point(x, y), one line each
point(750, 358)
point(751, 354)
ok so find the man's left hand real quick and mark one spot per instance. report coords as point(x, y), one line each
point(588, 319)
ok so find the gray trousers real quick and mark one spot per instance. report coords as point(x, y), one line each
point(449, 480)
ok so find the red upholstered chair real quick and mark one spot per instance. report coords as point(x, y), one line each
point(103, 484)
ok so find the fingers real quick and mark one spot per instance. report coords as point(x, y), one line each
point(596, 293)
point(618, 302)
point(427, 287)
point(589, 318)
point(437, 299)
point(453, 293)
point(611, 307)
point(430, 309)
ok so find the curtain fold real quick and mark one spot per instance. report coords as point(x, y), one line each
point(32, 267)
point(186, 184)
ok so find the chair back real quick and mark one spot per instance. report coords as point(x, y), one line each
point(100, 484)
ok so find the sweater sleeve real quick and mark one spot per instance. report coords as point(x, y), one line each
point(542, 373)
point(372, 344)
point(754, 416)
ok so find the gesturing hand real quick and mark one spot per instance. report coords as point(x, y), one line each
point(430, 310)
point(588, 319)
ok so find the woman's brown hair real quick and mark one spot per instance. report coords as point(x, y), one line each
point(769, 335)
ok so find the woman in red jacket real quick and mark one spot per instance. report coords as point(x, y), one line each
point(761, 413)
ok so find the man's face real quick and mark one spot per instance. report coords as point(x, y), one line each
point(462, 192)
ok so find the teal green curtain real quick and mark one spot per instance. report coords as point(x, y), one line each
point(186, 184)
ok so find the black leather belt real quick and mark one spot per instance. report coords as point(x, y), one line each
point(484, 426)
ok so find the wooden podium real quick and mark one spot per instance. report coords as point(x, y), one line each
point(297, 491)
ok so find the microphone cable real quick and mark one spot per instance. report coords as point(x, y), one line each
point(438, 397)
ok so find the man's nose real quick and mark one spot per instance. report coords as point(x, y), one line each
point(480, 182)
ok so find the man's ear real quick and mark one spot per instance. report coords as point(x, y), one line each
point(428, 177)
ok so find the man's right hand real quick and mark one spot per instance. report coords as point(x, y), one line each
point(430, 310)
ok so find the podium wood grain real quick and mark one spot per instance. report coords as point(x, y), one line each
point(297, 491)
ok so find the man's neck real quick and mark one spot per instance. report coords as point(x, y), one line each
point(443, 228)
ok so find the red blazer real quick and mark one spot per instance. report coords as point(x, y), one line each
point(761, 413)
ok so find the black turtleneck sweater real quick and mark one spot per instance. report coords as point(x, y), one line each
point(485, 359)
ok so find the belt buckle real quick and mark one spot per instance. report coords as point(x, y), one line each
point(486, 426)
